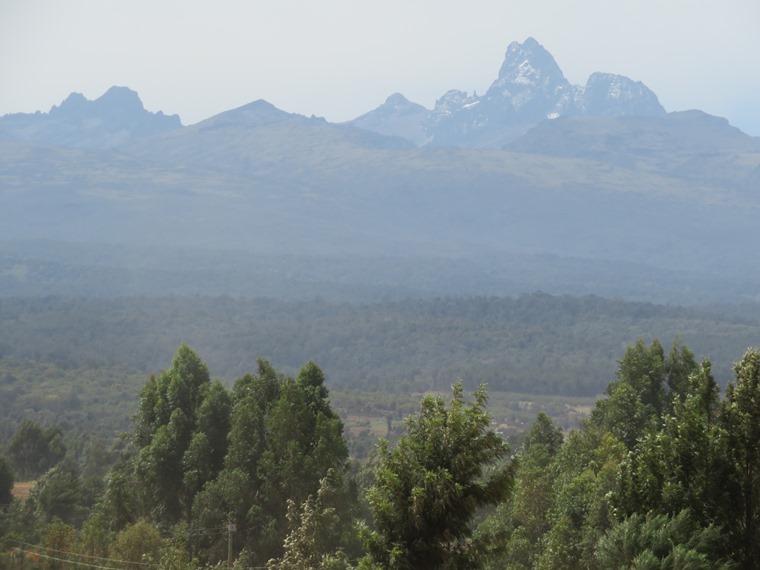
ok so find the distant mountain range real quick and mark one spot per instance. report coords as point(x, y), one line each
point(599, 174)
point(530, 88)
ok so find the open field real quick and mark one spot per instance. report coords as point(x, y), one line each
point(21, 489)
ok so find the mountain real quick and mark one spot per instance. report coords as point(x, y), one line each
point(611, 195)
point(397, 117)
point(529, 89)
point(113, 119)
point(260, 179)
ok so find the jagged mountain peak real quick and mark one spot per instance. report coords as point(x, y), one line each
point(74, 102)
point(611, 94)
point(453, 100)
point(121, 100)
point(529, 63)
point(530, 88)
point(115, 118)
point(122, 97)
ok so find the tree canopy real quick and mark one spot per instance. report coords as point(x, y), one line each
point(664, 473)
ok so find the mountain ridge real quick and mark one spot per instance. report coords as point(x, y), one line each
point(113, 119)
point(530, 88)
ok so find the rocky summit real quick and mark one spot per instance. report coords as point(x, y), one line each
point(529, 89)
point(115, 118)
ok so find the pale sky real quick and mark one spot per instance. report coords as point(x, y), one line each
point(341, 58)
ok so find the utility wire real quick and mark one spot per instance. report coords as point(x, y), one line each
point(85, 564)
point(45, 548)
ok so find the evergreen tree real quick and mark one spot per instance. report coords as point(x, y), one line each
point(516, 527)
point(316, 528)
point(428, 488)
point(740, 417)
point(682, 465)
point(283, 438)
point(34, 450)
point(661, 541)
point(181, 432)
point(140, 543)
point(6, 482)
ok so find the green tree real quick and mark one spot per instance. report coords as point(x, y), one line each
point(648, 384)
point(180, 430)
point(95, 537)
point(283, 439)
point(661, 542)
point(428, 488)
point(304, 440)
point(6, 481)
point(121, 503)
point(519, 525)
point(58, 494)
point(231, 497)
point(643, 368)
point(682, 465)
point(679, 366)
point(315, 530)
point(138, 542)
point(214, 424)
point(740, 417)
point(544, 433)
point(58, 542)
point(34, 450)
point(623, 414)
point(585, 471)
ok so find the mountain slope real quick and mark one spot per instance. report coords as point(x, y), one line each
point(688, 145)
point(302, 185)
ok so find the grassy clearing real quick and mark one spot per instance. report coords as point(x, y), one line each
point(21, 489)
point(376, 426)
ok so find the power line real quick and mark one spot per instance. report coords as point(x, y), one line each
point(78, 563)
point(69, 553)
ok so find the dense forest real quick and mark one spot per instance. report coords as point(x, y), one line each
point(664, 473)
point(535, 343)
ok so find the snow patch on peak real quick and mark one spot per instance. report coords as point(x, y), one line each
point(527, 74)
point(529, 62)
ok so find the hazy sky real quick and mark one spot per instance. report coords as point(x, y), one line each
point(341, 58)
